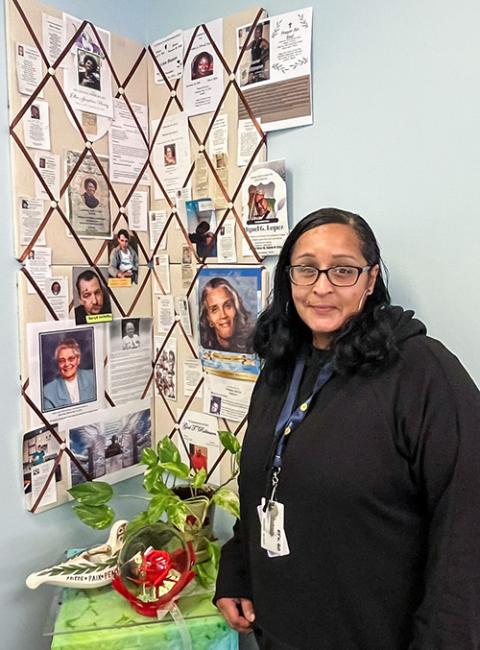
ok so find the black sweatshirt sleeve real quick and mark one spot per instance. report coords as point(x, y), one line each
point(233, 573)
point(441, 419)
point(233, 581)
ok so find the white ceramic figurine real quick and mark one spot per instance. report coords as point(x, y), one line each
point(87, 570)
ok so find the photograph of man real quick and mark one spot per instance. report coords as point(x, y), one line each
point(34, 112)
point(55, 288)
point(198, 457)
point(259, 69)
point(90, 186)
point(204, 239)
point(225, 324)
point(92, 296)
point(202, 65)
point(72, 385)
point(169, 155)
point(124, 258)
point(88, 70)
point(131, 339)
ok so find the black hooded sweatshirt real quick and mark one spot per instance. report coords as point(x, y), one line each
point(381, 489)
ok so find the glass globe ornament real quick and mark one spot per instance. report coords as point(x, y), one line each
point(154, 566)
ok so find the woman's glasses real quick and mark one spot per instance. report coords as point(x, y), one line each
point(339, 276)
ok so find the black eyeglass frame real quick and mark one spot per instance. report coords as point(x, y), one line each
point(358, 269)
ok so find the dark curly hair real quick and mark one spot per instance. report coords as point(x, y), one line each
point(364, 344)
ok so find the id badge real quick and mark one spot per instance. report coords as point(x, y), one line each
point(272, 531)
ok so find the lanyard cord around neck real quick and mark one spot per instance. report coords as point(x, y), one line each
point(289, 419)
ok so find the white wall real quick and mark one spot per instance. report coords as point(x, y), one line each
point(396, 104)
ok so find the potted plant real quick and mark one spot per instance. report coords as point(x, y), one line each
point(177, 494)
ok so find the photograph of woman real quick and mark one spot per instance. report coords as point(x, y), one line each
point(88, 70)
point(202, 65)
point(169, 156)
point(359, 483)
point(225, 324)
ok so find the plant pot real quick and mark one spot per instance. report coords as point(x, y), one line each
point(199, 524)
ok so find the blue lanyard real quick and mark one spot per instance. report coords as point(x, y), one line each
point(290, 419)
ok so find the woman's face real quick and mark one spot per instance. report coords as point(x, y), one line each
point(68, 362)
point(203, 66)
point(323, 307)
point(90, 188)
point(221, 313)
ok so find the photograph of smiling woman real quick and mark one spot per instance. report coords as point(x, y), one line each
point(67, 371)
point(225, 323)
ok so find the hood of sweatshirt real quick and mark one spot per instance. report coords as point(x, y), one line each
point(404, 325)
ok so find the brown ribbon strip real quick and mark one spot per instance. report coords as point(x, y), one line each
point(54, 432)
point(148, 164)
point(38, 500)
point(139, 292)
point(157, 356)
point(129, 76)
point(105, 54)
point(40, 293)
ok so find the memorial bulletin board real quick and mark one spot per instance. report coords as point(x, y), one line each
point(144, 207)
point(69, 207)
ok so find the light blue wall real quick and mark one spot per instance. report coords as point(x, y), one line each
point(395, 138)
point(396, 104)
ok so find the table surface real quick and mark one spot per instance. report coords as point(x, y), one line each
point(85, 619)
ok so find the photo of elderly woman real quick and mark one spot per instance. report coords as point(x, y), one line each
point(229, 299)
point(225, 323)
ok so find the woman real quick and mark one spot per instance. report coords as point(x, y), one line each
point(90, 186)
point(89, 77)
point(376, 477)
point(224, 322)
point(202, 65)
point(169, 157)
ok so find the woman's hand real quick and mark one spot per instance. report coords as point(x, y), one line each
point(238, 612)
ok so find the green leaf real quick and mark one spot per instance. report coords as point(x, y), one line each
point(98, 517)
point(168, 451)
point(149, 457)
point(228, 500)
point(199, 478)
point(153, 482)
point(206, 572)
point(92, 493)
point(214, 551)
point(136, 523)
point(229, 441)
point(179, 469)
point(157, 507)
point(177, 513)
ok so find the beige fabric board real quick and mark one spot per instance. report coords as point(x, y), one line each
point(139, 300)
